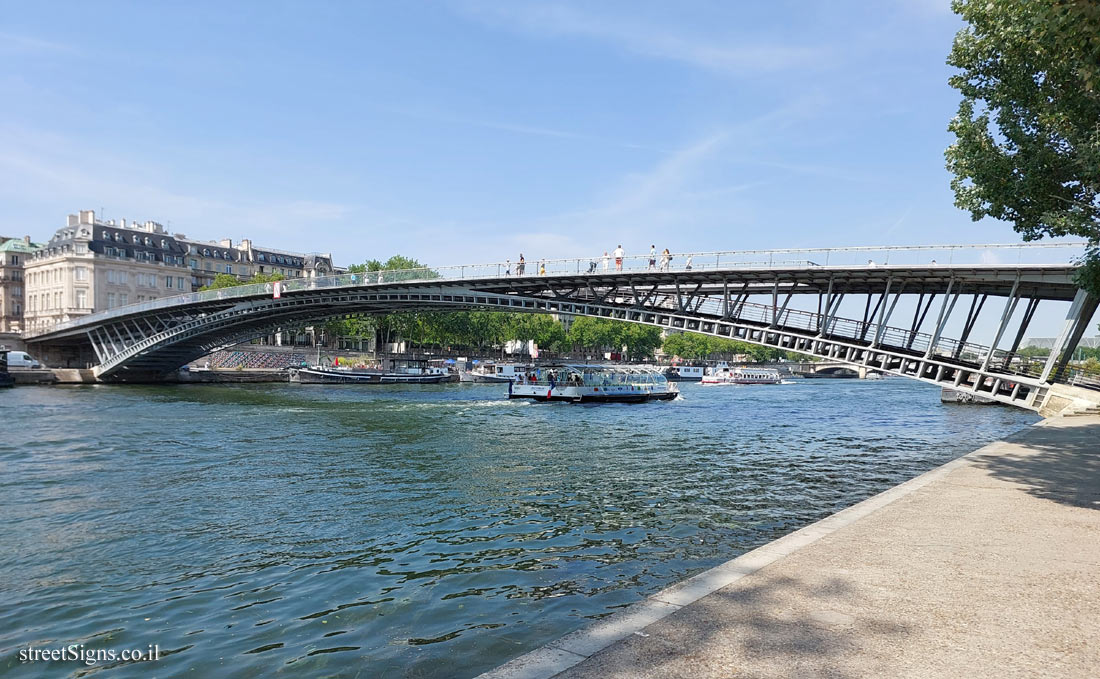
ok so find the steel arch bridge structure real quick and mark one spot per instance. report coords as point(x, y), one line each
point(737, 296)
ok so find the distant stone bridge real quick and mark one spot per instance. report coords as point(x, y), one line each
point(743, 295)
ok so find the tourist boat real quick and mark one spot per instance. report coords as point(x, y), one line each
point(493, 372)
point(593, 384)
point(399, 371)
point(684, 373)
point(723, 374)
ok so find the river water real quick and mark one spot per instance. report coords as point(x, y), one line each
point(410, 531)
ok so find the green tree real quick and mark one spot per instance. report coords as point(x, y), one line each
point(1027, 132)
point(641, 341)
point(225, 280)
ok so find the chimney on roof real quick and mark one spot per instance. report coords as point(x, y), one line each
point(27, 240)
point(73, 220)
point(226, 242)
point(87, 216)
point(122, 222)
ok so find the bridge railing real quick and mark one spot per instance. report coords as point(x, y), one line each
point(1011, 254)
point(891, 338)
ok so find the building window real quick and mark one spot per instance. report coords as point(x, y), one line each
point(123, 299)
point(80, 273)
point(168, 282)
point(81, 299)
point(194, 263)
point(123, 277)
point(15, 259)
point(229, 268)
point(81, 249)
point(179, 282)
point(110, 300)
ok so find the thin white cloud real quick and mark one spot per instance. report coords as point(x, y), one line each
point(47, 168)
point(512, 128)
point(733, 55)
point(12, 43)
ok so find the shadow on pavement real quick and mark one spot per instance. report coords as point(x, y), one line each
point(751, 631)
point(1063, 465)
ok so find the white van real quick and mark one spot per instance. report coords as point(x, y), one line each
point(21, 359)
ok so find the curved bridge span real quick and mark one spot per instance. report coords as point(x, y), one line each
point(790, 304)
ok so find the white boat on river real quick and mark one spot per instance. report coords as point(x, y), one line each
point(593, 384)
point(493, 372)
point(399, 371)
point(727, 375)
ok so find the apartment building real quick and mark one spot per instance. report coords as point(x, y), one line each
point(92, 265)
point(207, 259)
point(14, 253)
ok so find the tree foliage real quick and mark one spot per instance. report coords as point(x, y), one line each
point(225, 280)
point(695, 347)
point(1027, 132)
point(397, 263)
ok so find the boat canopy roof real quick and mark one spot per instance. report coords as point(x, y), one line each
point(599, 368)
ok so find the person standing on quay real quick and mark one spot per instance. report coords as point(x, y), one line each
point(619, 258)
point(652, 257)
point(520, 265)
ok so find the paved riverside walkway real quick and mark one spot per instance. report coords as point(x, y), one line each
point(987, 566)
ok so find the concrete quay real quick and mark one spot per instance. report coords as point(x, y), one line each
point(986, 566)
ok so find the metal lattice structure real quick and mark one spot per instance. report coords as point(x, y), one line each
point(741, 298)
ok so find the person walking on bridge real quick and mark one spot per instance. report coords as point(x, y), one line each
point(606, 261)
point(520, 265)
point(652, 257)
point(619, 258)
point(666, 259)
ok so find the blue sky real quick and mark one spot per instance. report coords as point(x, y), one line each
point(469, 131)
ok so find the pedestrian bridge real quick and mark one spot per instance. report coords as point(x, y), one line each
point(883, 308)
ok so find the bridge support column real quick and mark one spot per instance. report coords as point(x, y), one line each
point(1010, 308)
point(945, 314)
point(1077, 319)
